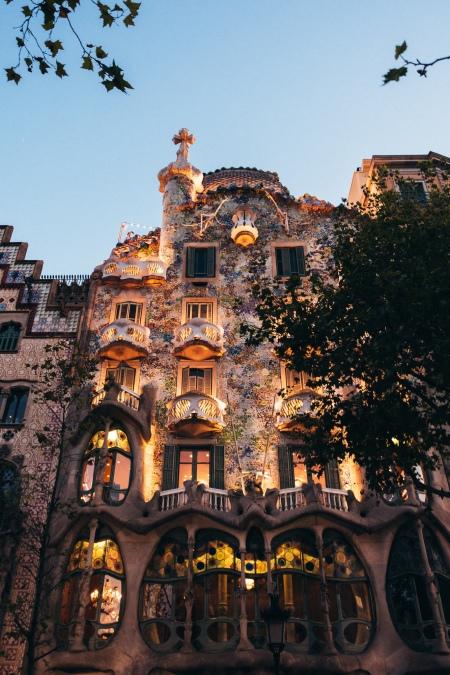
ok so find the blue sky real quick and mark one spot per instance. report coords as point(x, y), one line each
point(285, 85)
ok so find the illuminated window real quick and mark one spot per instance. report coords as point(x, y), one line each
point(15, 406)
point(289, 260)
point(200, 261)
point(203, 464)
point(162, 609)
point(410, 602)
point(116, 470)
point(124, 375)
point(129, 310)
point(9, 337)
point(296, 571)
point(294, 472)
point(216, 609)
point(199, 310)
point(101, 565)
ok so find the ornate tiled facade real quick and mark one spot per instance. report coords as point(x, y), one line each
point(187, 500)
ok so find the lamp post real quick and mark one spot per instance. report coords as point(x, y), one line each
point(275, 619)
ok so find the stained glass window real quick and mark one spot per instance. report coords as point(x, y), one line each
point(117, 468)
point(106, 584)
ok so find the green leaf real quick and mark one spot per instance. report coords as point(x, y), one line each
point(394, 74)
point(399, 49)
point(87, 63)
point(60, 70)
point(12, 76)
point(100, 53)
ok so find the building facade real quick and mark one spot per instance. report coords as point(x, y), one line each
point(187, 500)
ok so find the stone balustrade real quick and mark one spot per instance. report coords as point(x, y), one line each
point(195, 414)
point(123, 340)
point(125, 396)
point(198, 340)
point(150, 272)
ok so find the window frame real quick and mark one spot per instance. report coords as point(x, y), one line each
point(200, 278)
point(7, 396)
point(198, 300)
point(288, 244)
point(198, 365)
point(15, 341)
point(139, 311)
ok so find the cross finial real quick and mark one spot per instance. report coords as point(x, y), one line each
point(184, 139)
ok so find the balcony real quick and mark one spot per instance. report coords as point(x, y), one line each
point(123, 340)
point(150, 272)
point(292, 407)
point(331, 498)
point(198, 340)
point(195, 414)
point(212, 498)
point(125, 396)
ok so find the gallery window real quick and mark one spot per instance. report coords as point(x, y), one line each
point(289, 260)
point(116, 467)
point(15, 405)
point(129, 310)
point(204, 464)
point(162, 608)
point(410, 602)
point(100, 566)
point(200, 261)
point(194, 379)
point(296, 565)
point(9, 336)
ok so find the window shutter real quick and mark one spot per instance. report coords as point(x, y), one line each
point(279, 261)
point(285, 467)
point(217, 466)
point(297, 260)
point(184, 380)
point(286, 261)
point(211, 261)
point(208, 381)
point(170, 469)
point(332, 475)
point(190, 261)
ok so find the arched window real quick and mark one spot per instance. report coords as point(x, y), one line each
point(9, 496)
point(216, 608)
point(297, 574)
point(9, 336)
point(97, 569)
point(15, 405)
point(349, 600)
point(256, 597)
point(117, 467)
point(162, 609)
point(410, 602)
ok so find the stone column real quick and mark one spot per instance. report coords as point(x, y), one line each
point(76, 643)
point(329, 642)
point(101, 466)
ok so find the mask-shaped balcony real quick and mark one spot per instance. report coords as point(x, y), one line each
point(150, 272)
point(198, 340)
point(292, 408)
point(123, 339)
point(194, 414)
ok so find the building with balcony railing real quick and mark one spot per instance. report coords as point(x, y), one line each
point(185, 501)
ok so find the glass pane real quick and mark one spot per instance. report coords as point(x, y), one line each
point(111, 598)
point(203, 473)
point(313, 599)
point(87, 477)
point(186, 456)
point(107, 472)
point(78, 556)
point(118, 439)
point(170, 558)
point(122, 467)
point(203, 457)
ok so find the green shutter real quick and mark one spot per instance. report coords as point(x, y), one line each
point(211, 262)
point(190, 261)
point(217, 467)
point(285, 467)
point(170, 470)
point(297, 260)
point(332, 475)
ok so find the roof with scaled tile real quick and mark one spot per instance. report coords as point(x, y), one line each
point(239, 177)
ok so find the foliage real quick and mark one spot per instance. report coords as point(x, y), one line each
point(373, 334)
point(39, 42)
point(394, 74)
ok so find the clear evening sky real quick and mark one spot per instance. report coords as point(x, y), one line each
point(284, 85)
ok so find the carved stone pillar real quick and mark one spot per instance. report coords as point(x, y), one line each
point(101, 466)
point(329, 642)
point(76, 643)
point(244, 642)
point(433, 595)
point(189, 597)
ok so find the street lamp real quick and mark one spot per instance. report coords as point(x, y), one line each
point(275, 619)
